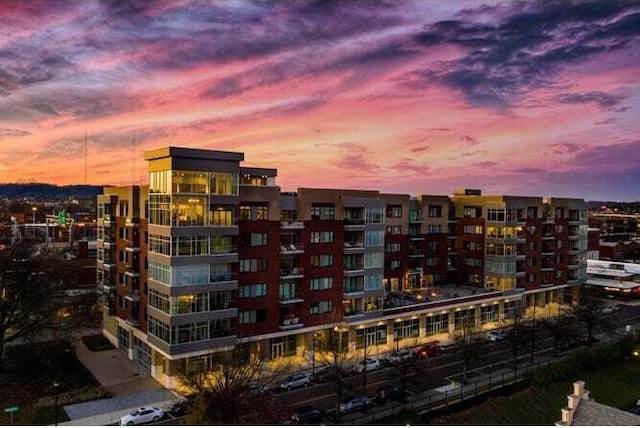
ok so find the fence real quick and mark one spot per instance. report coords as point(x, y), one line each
point(448, 395)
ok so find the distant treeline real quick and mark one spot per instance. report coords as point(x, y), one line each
point(622, 207)
point(48, 191)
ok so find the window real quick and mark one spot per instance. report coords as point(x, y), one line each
point(321, 307)
point(288, 291)
point(160, 244)
point(252, 290)
point(472, 212)
point(473, 229)
point(496, 214)
point(258, 239)
point(262, 212)
point(322, 237)
point(247, 317)
point(223, 184)
point(395, 264)
point(394, 211)
point(251, 317)
point(188, 211)
point(322, 260)
point(323, 212)
point(190, 245)
point(222, 217)
point(373, 282)
point(373, 260)
point(393, 247)
point(253, 265)
point(316, 284)
point(159, 301)
point(406, 329)
point(374, 215)
point(374, 238)
point(394, 230)
point(435, 211)
point(434, 228)
point(160, 272)
point(472, 261)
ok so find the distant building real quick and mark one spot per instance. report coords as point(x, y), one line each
point(211, 256)
point(614, 227)
point(618, 278)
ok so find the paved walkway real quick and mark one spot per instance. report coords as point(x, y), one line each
point(130, 386)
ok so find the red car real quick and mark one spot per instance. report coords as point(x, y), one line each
point(431, 349)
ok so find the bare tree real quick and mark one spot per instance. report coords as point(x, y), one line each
point(33, 281)
point(469, 346)
point(558, 327)
point(335, 355)
point(518, 335)
point(589, 312)
point(234, 385)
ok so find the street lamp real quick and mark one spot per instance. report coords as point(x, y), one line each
point(55, 407)
point(313, 354)
point(33, 221)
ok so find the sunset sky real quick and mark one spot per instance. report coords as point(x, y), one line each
point(419, 97)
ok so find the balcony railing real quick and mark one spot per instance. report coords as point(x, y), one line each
point(291, 248)
point(290, 322)
point(291, 225)
point(222, 277)
point(291, 272)
point(289, 299)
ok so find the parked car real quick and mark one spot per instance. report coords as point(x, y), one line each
point(387, 393)
point(331, 373)
point(296, 381)
point(495, 335)
point(399, 356)
point(368, 364)
point(609, 309)
point(356, 403)
point(142, 415)
point(307, 415)
point(431, 349)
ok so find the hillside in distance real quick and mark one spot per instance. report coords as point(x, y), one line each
point(43, 191)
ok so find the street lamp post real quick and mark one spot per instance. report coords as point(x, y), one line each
point(55, 407)
point(313, 354)
point(364, 373)
point(33, 221)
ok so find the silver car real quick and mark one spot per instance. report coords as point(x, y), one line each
point(142, 415)
point(296, 381)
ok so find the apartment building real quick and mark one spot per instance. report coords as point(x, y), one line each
point(211, 256)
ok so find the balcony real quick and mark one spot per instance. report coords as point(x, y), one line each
point(132, 222)
point(290, 322)
point(133, 297)
point(222, 277)
point(133, 322)
point(224, 250)
point(291, 273)
point(353, 248)
point(354, 290)
point(291, 248)
point(291, 299)
point(353, 269)
point(291, 225)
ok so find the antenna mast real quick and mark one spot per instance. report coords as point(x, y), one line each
point(86, 156)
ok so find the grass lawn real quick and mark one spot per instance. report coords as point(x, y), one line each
point(27, 377)
point(617, 386)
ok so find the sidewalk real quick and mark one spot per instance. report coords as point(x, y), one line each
point(130, 386)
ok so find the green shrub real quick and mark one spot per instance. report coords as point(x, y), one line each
point(583, 362)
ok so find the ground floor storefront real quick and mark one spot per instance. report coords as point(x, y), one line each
point(309, 348)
